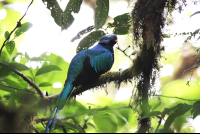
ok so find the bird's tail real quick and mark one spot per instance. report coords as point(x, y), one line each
point(63, 97)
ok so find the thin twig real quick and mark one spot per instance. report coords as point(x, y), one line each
point(160, 120)
point(39, 91)
point(64, 129)
point(176, 98)
point(83, 131)
point(17, 88)
point(123, 51)
point(18, 25)
point(35, 129)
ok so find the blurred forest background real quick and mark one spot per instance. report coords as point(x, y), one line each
point(35, 59)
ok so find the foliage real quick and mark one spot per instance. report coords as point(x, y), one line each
point(21, 85)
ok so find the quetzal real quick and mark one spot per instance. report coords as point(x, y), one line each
point(85, 67)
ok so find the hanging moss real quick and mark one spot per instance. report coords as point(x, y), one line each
point(148, 21)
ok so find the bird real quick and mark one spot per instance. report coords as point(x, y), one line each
point(85, 67)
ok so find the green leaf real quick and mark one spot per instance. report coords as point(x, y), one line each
point(47, 69)
point(180, 110)
point(18, 66)
point(10, 46)
point(196, 109)
point(12, 83)
point(151, 114)
point(6, 34)
point(25, 27)
point(198, 38)
point(166, 36)
point(53, 77)
point(13, 57)
point(195, 13)
point(166, 111)
point(56, 11)
point(5, 71)
point(82, 32)
point(7, 89)
point(156, 106)
point(45, 84)
point(101, 13)
point(121, 24)
point(89, 40)
point(27, 56)
point(92, 125)
point(37, 59)
point(72, 6)
point(105, 124)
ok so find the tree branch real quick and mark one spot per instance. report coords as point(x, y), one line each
point(17, 88)
point(118, 77)
point(39, 91)
point(176, 98)
point(35, 129)
point(18, 25)
point(159, 122)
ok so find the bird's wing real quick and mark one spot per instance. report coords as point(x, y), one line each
point(102, 61)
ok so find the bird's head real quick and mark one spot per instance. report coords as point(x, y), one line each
point(110, 40)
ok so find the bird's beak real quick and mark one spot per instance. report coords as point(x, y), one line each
point(116, 40)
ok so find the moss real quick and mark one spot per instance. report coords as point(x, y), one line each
point(148, 21)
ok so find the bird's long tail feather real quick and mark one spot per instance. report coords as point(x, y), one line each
point(63, 97)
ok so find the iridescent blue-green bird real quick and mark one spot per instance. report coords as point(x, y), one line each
point(85, 67)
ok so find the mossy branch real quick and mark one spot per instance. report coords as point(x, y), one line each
point(118, 77)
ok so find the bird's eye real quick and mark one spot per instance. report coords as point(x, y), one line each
point(106, 38)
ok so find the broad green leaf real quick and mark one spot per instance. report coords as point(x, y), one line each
point(180, 110)
point(5, 71)
point(7, 89)
point(4, 57)
point(56, 11)
point(25, 27)
point(18, 66)
point(12, 83)
point(63, 19)
point(45, 84)
point(47, 69)
point(195, 13)
point(100, 122)
point(196, 109)
point(151, 114)
point(10, 46)
point(101, 13)
point(52, 77)
point(13, 57)
point(89, 40)
point(92, 125)
point(156, 106)
point(6, 34)
point(82, 32)
point(166, 111)
point(121, 24)
point(72, 6)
